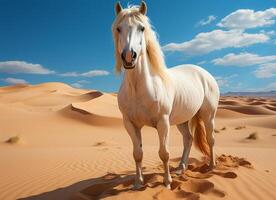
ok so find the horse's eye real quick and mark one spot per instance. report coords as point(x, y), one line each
point(119, 30)
point(142, 28)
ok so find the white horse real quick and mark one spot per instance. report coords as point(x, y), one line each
point(152, 95)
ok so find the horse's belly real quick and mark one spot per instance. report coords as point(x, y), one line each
point(185, 108)
point(181, 116)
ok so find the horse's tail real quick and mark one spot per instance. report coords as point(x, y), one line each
point(197, 128)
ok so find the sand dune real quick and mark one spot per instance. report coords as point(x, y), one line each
point(98, 106)
point(250, 106)
point(72, 145)
point(95, 111)
point(250, 110)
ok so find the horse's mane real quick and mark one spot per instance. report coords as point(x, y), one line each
point(154, 52)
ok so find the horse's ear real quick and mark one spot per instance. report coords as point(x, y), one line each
point(143, 8)
point(118, 8)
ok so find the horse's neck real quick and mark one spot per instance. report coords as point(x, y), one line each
point(139, 80)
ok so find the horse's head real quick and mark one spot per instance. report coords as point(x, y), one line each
point(128, 31)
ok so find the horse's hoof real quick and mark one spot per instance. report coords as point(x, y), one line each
point(212, 166)
point(138, 185)
point(179, 171)
point(167, 182)
point(168, 186)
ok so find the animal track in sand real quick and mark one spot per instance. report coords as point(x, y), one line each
point(228, 161)
point(216, 131)
point(102, 143)
point(240, 127)
point(104, 146)
point(253, 136)
point(192, 184)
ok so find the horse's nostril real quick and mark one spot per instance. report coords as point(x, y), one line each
point(134, 55)
point(123, 56)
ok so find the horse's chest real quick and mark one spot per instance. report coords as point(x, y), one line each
point(141, 112)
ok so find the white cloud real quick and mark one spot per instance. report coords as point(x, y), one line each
point(83, 81)
point(266, 70)
point(201, 62)
point(215, 40)
point(271, 32)
point(224, 81)
point(95, 73)
point(266, 88)
point(271, 86)
point(246, 18)
point(204, 22)
point(80, 83)
point(15, 67)
point(243, 59)
point(91, 73)
point(14, 81)
point(70, 74)
point(77, 85)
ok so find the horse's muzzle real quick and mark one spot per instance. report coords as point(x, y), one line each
point(129, 66)
point(129, 58)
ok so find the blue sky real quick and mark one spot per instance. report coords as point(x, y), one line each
point(70, 41)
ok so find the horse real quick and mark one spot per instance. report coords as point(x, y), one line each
point(153, 95)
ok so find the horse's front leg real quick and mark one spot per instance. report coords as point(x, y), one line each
point(135, 135)
point(163, 128)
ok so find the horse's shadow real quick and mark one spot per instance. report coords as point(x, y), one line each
point(101, 183)
point(188, 185)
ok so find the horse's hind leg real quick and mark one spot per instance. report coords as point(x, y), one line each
point(187, 142)
point(135, 135)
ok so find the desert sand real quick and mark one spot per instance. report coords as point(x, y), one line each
point(59, 142)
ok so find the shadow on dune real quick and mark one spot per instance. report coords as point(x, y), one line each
point(91, 95)
point(88, 110)
point(189, 185)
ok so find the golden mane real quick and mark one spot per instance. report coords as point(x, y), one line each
point(154, 52)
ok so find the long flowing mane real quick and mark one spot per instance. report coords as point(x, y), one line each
point(154, 52)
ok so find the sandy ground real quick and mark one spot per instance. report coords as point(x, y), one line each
point(58, 142)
